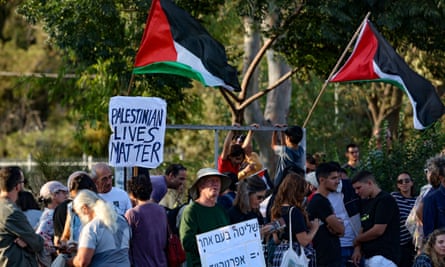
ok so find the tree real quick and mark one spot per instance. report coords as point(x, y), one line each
point(300, 40)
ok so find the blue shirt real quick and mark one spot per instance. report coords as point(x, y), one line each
point(288, 157)
point(434, 211)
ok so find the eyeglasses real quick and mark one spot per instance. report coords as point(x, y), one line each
point(404, 181)
point(61, 192)
point(109, 177)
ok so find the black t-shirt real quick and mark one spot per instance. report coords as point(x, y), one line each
point(298, 223)
point(59, 217)
point(237, 216)
point(326, 244)
point(382, 209)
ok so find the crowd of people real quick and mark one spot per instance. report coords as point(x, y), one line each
point(337, 214)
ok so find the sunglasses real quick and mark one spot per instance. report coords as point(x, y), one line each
point(260, 197)
point(404, 181)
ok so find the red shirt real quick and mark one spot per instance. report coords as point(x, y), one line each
point(225, 165)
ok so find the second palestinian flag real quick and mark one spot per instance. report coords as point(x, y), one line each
point(373, 59)
point(175, 43)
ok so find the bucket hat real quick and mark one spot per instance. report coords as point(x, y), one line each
point(205, 172)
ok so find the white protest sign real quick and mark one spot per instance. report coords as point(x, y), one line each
point(138, 129)
point(234, 245)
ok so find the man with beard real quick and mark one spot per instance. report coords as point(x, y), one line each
point(174, 177)
point(18, 241)
point(326, 241)
point(203, 214)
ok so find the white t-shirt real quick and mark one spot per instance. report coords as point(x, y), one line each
point(119, 198)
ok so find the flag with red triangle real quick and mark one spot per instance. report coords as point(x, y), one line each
point(374, 60)
point(175, 43)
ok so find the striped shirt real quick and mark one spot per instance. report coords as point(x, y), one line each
point(405, 206)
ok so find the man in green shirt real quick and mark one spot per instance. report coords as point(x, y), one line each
point(18, 241)
point(203, 214)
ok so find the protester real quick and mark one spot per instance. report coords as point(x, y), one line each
point(405, 199)
point(434, 202)
point(312, 185)
point(289, 151)
point(251, 191)
point(311, 163)
point(227, 197)
point(232, 155)
point(19, 244)
point(433, 253)
point(252, 163)
point(173, 178)
point(67, 224)
point(326, 242)
point(291, 193)
point(52, 194)
point(414, 222)
point(379, 239)
point(148, 223)
point(104, 239)
point(352, 155)
point(346, 206)
point(102, 175)
point(203, 214)
point(28, 204)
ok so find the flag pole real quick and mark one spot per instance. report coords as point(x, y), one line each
point(325, 84)
point(130, 84)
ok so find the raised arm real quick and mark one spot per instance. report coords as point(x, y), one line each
point(275, 142)
point(227, 143)
point(247, 144)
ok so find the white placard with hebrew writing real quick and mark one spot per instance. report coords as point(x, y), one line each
point(138, 129)
point(234, 245)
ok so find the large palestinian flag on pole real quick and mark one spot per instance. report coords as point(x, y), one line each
point(374, 60)
point(175, 43)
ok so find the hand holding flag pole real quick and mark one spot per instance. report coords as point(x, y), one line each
point(334, 70)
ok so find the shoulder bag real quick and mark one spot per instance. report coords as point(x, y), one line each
point(290, 257)
point(175, 251)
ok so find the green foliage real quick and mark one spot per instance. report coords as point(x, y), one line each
point(46, 170)
point(99, 40)
point(411, 156)
point(333, 123)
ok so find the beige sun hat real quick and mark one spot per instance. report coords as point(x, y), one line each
point(51, 187)
point(205, 172)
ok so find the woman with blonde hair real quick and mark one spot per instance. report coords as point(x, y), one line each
point(433, 253)
point(291, 193)
point(105, 235)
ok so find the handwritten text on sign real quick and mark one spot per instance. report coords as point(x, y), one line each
point(234, 245)
point(138, 126)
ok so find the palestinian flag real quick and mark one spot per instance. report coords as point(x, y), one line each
point(374, 60)
point(175, 43)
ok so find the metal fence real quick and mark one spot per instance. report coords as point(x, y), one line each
point(86, 162)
